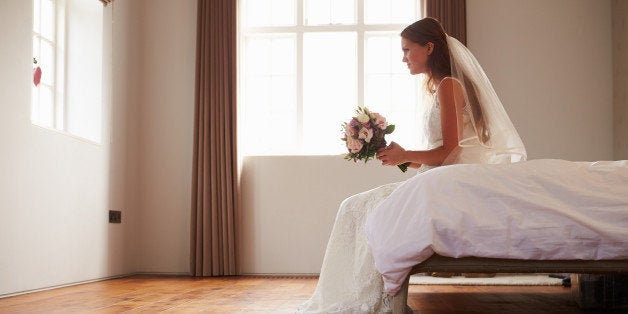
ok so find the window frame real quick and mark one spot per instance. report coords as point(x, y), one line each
point(59, 78)
point(57, 110)
point(298, 30)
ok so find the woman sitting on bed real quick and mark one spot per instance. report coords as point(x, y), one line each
point(466, 123)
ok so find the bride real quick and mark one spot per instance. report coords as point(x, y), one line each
point(465, 123)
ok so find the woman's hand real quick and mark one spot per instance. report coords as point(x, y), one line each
point(392, 155)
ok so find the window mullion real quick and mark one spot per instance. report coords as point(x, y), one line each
point(59, 112)
point(321, 28)
point(299, 74)
point(360, 52)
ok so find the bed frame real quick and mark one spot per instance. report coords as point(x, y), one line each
point(438, 263)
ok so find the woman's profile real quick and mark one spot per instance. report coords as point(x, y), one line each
point(465, 123)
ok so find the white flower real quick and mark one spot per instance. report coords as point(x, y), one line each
point(363, 118)
point(366, 134)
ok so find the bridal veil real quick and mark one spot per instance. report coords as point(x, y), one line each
point(495, 140)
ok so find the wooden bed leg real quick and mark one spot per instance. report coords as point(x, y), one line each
point(400, 300)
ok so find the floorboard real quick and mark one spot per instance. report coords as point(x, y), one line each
point(163, 294)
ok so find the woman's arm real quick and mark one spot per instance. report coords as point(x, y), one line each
point(451, 99)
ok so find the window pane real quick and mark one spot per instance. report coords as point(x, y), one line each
point(325, 12)
point(283, 12)
point(257, 111)
point(270, 13)
point(378, 53)
point(329, 89)
point(269, 105)
point(257, 54)
point(36, 16)
point(390, 90)
point(317, 12)
point(46, 62)
point(403, 11)
point(270, 121)
point(270, 55)
point(343, 12)
point(377, 94)
point(47, 19)
point(282, 53)
point(36, 50)
point(257, 13)
point(390, 11)
point(383, 53)
point(83, 71)
point(376, 11)
point(408, 110)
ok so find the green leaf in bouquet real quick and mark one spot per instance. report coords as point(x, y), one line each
point(404, 167)
point(390, 128)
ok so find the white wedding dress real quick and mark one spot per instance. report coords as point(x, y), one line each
point(349, 282)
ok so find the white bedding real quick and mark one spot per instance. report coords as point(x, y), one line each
point(540, 209)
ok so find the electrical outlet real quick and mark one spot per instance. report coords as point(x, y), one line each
point(115, 216)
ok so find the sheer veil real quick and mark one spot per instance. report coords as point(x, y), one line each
point(495, 140)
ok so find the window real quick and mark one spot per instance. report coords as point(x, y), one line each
point(43, 110)
point(305, 65)
point(67, 45)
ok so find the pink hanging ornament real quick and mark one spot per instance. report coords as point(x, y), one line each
point(36, 73)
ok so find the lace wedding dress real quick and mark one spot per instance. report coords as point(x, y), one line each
point(349, 282)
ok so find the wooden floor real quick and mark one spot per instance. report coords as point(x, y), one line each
point(151, 294)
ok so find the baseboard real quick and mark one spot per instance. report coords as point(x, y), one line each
point(283, 276)
point(91, 281)
point(64, 285)
point(173, 274)
point(161, 274)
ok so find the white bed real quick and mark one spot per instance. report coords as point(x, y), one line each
point(540, 210)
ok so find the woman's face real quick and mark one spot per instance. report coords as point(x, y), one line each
point(415, 55)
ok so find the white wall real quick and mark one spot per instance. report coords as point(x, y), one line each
point(289, 204)
point(147, 126)
point(165, 122)
point(123, 56)
point(550, 62)
point(55, 190)
point(84, 52)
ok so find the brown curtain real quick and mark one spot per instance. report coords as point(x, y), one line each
point(215, 178)
point(452, 14)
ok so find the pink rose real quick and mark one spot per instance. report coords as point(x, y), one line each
point(349, 130)
point(380, 121)
point(366, 134)
point(354, 145)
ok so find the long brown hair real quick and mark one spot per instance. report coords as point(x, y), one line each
point(428, 30)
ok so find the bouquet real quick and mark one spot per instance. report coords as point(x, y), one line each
point(364, 135)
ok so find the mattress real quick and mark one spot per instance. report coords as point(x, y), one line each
point(552, 210)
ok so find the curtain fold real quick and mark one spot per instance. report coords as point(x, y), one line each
point(452, 14)
point(215, 186)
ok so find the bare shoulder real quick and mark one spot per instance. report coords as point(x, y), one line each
point(450, 91)
point(449, 85)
